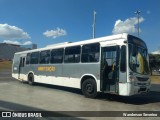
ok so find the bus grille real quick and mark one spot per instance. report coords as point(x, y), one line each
point(142, 79)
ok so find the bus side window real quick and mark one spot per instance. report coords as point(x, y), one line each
point(34, 58)
point(90, 53)
point(44, 57)
point(72, 54)
point(28, 58)
point(123, 59)
point(57, 55)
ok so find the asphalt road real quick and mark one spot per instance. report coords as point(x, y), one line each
point(17, 96)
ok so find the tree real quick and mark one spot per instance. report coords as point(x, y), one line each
point(154, 62)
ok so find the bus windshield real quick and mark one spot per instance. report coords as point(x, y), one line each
point(138, 60)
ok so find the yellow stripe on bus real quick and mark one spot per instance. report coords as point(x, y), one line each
point(49, 69)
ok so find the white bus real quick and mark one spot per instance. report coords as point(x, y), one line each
point(116, 64)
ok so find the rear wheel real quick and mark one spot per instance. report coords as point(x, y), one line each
point(31, 79)
point(89, 88)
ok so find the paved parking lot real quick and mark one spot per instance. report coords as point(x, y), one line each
point(17, 96)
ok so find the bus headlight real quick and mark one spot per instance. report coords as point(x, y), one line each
point(132, 79)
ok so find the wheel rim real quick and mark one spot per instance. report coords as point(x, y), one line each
point(89, 88)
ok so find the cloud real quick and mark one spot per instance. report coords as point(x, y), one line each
point(17, 43)
point(55, 33)
point(11, 42)
point(127, 26)
point(27, 43)
point(12, 32)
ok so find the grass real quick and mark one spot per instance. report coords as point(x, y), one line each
point(5, 65)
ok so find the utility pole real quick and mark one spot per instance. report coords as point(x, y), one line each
point(138, 15)
point(94, 24)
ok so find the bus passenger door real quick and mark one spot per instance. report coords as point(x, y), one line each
point(21, 68)
point(110, 69)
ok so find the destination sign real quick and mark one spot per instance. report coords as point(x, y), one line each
point(136, 41)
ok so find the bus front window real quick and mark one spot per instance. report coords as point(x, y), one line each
point(138, 61)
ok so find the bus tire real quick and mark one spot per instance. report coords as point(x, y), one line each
point(31, 79)
point(89, 88)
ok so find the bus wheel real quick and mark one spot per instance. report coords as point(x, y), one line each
point(89, 88)
point(31, 79)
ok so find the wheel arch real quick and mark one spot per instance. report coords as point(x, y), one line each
point(29, 73)
point(87, 76)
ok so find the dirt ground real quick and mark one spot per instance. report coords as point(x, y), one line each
point(5, 65)
point(155, 78)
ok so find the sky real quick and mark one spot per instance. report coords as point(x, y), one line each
point(46, 22)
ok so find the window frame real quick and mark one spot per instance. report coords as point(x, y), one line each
point(28, 56)
point(62, 55)
point(123, 62)
point(70, 52)
point(31, 62)
point(90, 53)
point(40, 57)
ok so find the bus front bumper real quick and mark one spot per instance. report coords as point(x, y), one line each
point(128, 89)
point(135, 89)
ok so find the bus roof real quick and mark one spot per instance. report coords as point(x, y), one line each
point(68, 44)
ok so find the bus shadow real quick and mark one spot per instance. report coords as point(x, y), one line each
point(151, 97)
point(62, 88)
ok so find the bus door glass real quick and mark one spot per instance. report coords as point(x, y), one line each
point(109, 68)
point(21, 67)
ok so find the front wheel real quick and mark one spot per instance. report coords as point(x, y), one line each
point(89, 88)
